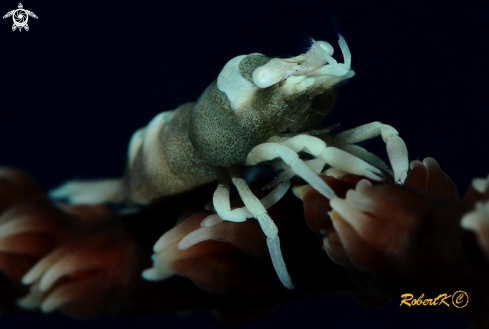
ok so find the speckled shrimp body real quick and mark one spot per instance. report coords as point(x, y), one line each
point(259, 109)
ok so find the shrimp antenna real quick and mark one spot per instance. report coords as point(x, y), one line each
point(336, 25)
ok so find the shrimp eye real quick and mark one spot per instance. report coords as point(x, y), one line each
point(326, 46)
point(264, 77)
point(251, 62)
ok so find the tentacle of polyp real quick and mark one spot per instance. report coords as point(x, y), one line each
point(55, 251)
point(86, 272)
point(29, 227)
point(371, 221)
point(381, 218)
point(428, 178)
point(85, 275)
point(212, 257)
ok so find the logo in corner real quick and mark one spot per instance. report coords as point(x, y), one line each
point(20, 17)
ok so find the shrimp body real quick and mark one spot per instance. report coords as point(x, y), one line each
point(259, 109)
point(163, 161)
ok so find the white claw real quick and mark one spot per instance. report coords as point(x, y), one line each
point(396, 148)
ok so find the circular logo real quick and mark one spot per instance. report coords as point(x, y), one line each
point(20, 17)
point(460, 299)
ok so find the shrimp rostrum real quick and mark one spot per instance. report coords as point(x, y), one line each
point(260, 110)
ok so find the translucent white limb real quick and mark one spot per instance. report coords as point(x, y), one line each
point(222, 203)
point(275, 195)
point(345, 50)
point(198, 235)
point(255, 207)
point(269, 151)
point(268, 227)
point(363, 154)
point(223, 209)
point(334, 68)
point(335, 157)
point(396, 148)
point(278, 262)
point(287, 173)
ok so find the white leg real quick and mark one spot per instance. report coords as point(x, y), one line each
point(255, 207)
point(363, 154)
point(335, 157)
point(396, 148)
point(268, 201)
point(275, 195)
point(287, 173)
point(269, 151)
point(222, 204)
point(258, 210)
point(278, 262)
point(268, 227)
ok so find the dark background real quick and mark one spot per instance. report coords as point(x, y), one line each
point(88, 74)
